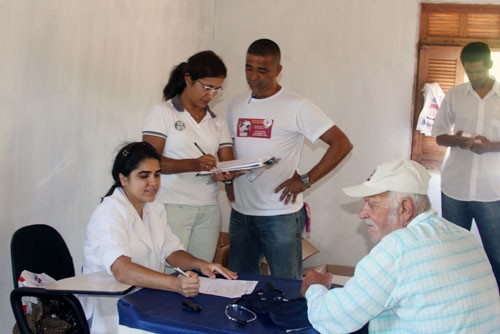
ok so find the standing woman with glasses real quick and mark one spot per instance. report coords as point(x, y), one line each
point(188, 136)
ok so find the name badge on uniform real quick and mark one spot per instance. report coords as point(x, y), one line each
point(179, 125)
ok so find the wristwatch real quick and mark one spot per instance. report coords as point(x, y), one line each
point(305, 179)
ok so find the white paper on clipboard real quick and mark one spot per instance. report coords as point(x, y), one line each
point(241, 164)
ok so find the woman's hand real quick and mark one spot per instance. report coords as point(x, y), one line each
point(210, 269)
point(206, 162)
point(188, 286)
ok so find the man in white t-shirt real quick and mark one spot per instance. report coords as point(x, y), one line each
point(267, 216)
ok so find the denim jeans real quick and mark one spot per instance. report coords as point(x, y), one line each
point(487, 218)
point(278, 238)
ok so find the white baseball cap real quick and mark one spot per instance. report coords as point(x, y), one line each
point(403, 176)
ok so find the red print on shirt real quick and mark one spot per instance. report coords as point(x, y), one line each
point(254, 127)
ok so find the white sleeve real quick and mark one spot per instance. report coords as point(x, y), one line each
point(444, 122)
point(312, 121)
point(225, 138)
point(229, 118)
point(107, 236)
point(365, 295)
point(156, 122)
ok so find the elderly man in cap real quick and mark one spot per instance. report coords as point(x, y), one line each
point(425, 274)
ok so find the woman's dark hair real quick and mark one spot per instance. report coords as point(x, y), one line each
point(128, 159)
point(205, 64)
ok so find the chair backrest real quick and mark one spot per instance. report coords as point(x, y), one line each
point(40, 249)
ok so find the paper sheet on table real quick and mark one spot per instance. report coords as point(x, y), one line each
point(226, 288)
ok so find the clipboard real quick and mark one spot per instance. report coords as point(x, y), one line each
point(99, 283)
point(241, 164)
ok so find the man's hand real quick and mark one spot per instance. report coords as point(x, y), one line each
point(314, 277)
point(230, 191)
point(221, 176)
point(482, 145)
point(291, 188)
point(464, 142)
point(225, 176)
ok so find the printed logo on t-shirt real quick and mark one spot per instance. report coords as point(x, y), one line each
point(254, 127)
point(179, 125)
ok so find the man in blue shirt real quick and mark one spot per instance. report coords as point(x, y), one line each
point(425, 274)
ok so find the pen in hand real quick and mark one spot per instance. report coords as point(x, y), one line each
point(178, 270)
point(199, 148)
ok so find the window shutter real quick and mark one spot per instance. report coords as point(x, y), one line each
point(439, 64)
point(443, 25)
point(483, 26)
point(459, 24)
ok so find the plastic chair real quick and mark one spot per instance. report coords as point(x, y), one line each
point(41, 249)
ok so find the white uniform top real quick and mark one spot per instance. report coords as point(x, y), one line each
point(465, 175)
point(115, 229)
point(169, 120)
point(273, 126)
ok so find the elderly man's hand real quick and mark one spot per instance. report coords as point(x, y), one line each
point(314, 277)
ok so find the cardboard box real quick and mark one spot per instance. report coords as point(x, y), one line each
point(341, 274)
point(308, 250)
point(222, 250)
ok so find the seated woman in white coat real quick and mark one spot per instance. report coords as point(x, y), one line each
point(128, 236)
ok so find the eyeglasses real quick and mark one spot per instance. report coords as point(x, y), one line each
point(210, 89)
point(240, 314)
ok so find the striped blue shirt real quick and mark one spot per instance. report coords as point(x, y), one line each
point(430, 277)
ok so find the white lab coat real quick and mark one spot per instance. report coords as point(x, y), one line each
point(115, 229)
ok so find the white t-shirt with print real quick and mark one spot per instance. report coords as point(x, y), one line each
point(273, 126)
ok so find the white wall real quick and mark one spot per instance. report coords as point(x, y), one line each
point(357, 63)
point(78, 77)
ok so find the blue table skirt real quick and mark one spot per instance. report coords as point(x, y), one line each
point(161, 311)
